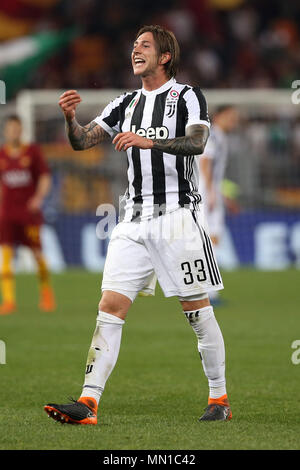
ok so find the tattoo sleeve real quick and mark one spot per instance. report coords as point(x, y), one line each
point(85, 137)
point(193, 143)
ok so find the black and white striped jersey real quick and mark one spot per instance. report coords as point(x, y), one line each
point(158, 182)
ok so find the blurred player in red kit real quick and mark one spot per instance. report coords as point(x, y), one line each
point(25, 182)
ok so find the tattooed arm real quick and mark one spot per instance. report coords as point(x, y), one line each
point(193, 143)
point(80, 137)
point(85, 137)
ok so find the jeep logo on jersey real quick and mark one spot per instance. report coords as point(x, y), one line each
point(152, 132)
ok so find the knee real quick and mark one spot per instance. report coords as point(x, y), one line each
point(115, 304)
point(191, 305)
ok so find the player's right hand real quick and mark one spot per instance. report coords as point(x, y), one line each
point(68, 102)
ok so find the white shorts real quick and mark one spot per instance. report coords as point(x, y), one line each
point(174, 247)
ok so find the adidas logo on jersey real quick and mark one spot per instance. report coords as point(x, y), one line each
point(152, 132)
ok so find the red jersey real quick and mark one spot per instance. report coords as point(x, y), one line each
point(19, 175)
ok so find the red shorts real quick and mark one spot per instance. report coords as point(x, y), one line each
point(15, 233)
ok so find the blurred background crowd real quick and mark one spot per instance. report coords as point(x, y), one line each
point(224, 43)
point(247, 51)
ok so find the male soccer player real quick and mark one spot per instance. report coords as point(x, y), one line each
point(25, 182)
point(161, 127)
point(212, 169)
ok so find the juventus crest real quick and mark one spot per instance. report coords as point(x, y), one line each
point(171, 103)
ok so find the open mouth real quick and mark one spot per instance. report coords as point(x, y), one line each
point(138, 61)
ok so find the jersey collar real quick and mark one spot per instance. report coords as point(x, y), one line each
point(161, 89)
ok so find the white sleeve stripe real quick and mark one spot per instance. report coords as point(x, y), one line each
point(196, 115)
point(192, 104)
point(102, 124)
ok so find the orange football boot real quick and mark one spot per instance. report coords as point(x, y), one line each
point(81, 411)
point(218, 410)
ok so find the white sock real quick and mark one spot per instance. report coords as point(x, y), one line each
point(103, 354)
point(210, 347)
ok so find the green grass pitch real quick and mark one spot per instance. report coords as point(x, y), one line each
point(158, 389)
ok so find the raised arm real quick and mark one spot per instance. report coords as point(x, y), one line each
point(80, 137)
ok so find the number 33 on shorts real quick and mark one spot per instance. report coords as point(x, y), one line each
point(193, 272)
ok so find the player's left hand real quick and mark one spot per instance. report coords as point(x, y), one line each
point(34, 204)
point(124, 140)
